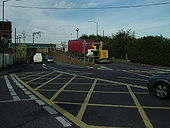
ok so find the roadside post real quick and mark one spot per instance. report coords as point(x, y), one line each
point(84, 43)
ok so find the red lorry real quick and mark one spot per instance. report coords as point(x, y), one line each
point(85, 48)
point(79, 46)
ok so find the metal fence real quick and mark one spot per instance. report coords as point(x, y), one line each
point(6, 60)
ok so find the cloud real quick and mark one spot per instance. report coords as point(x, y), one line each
point(57, 25)
point(63, 4)
point(97, 3)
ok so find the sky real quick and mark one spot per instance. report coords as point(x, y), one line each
point(57, 25)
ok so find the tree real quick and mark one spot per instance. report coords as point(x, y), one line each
point(154, 50)
point(119, 42)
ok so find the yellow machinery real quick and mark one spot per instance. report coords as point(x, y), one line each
point(100, 55)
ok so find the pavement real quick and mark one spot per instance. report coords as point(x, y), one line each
point(12, 69)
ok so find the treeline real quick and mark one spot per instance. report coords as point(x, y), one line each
point(153, 50)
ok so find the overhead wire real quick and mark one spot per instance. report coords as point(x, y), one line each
point(90, 8)
point(93, 8)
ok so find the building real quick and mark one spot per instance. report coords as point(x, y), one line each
point(6, 32)
point(59, 46)
point(6, 57)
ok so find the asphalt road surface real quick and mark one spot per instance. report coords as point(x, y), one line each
point(62, 95)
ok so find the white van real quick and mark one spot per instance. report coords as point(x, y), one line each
point(38, 58)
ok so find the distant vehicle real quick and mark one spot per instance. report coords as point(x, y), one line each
point(38, 58)
point(86, 48)
point(159, 85)
point(49, 59)
point(79, 47)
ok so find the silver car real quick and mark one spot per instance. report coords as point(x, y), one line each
point(49, 59)
point(159, 85)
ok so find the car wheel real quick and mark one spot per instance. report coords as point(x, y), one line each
point(162, 90)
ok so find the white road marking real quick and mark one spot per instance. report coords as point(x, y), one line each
point(78, 72)
point(89, 67)
point(131, 78)
point(45, 67)
point(66, 120)
point(85, 73)
point(50, 110)
point(73, 71)
point(24, 89)
point(32, 97)
point(40, 102)
point(16, 98)
point(104, 68)
point(16, 82)
point(28, 92)
point(11, 89)
point(63, 121)
point(164, 70)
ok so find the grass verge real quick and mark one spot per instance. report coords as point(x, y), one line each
point(62, 57)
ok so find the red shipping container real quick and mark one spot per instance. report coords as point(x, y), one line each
point(77, 46)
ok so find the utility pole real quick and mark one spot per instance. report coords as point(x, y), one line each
point(23, 36)
point(84, 51)
point(35, 33)
point(15, 43)
point(19, 37)
point(84, 44)
point(103, 33)
point(33, 38)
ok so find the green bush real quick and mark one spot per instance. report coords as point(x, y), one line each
point(150, 50)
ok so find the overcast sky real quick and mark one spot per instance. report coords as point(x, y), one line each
point(60, 25)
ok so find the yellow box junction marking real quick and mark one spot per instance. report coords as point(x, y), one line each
point(107, 92)
point(24, 73)
point(58, 102)
point(61, 89)
point(48, 81)
point(43, 82)
point(77, 120)
point(140, 109)
point(40, 77)
point(151, 107)
point(86, 101)
point(93, 126)
point(32, 75)
point(135, 73)
point(113, 82)
point(61, 110)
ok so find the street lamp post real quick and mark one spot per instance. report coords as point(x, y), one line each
point(71, 35)
point(96, 29)
point(77, 32)
point(3, 13)
point(3, 8)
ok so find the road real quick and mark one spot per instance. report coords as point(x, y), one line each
point(63, 95)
